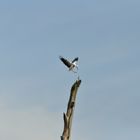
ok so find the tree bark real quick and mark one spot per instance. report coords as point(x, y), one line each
point(70, 110)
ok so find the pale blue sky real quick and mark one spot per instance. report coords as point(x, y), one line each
point(34, 84)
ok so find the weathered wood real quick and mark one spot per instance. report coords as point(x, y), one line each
point(70, 110)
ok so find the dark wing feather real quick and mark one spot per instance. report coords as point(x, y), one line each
point(65, 61)
point(75, 59)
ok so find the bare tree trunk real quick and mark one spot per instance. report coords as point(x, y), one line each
point(70, 110)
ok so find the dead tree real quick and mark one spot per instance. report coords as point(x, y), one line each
point(70, 110)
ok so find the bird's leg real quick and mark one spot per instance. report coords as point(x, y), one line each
point(74, 71)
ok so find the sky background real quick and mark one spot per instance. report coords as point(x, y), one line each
point(35, 85)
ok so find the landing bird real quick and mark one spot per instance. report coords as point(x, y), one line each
point(71, 65)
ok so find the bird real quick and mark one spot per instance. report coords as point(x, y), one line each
point(70, 64)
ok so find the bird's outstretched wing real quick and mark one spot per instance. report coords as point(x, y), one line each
point(65, 61)
point(75, 59)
